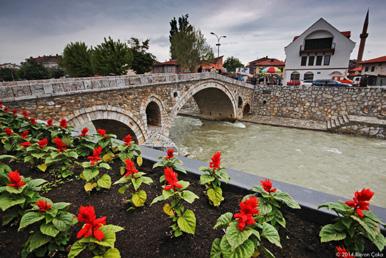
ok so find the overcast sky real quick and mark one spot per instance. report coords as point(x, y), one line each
point(253, 28)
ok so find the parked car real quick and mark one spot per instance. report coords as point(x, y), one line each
point(293, 83)
point(306, 83)
point(330, 83)
point(356, 81)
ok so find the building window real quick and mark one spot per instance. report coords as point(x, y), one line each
point(326, 60)
point(372, 68)
point(311, 60)
point(304, 61)
point(308, 76)
point(319, 60)
point(295, 76)
point(366, 69)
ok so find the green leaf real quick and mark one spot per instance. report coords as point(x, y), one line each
point(380, 241)
point(60, 205)
point(72, 154)
point(224, 220)
point(37, 240)
point(215, 196)
point(89, 174)
point(147, 180)
point(123, 189)
point(63, 221)
point(122, 180)
point(244, 250)
point(136, 183)
point(7, 201)
point(112, 253)
point(76, 249)
point(205, 179)
point(215, 251)
point(49, 230)
point(179, 168)
point(235, 237)
point(36, 183)
point(330, 232)
point(286, 198)
point(105, 166)
point(167, 194)
point(267, 253)
point(271, 234)
point(168, 210)
point(30, 218)
point(187, 222)
point(139, 198)
point(189, 196)
point(336, 206)
point(42, 167)
point(370, 232)
point(223, 175)
point(14, 190)
point(88, 187)
point(104, 181)
point(157, 199)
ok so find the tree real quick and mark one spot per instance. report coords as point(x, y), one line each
point(32, 70)
point(112, 57)
point(77, 60)
point(8, 74)
point(188, 45)
point(231, 63)
point(56, 72)
point(142, 60)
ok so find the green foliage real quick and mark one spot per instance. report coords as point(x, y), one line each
point(183, 220)
point(100, 249)
point(188, 45)
point(8, 74)
point(174, 163)
point(231, 63)
point(93, 176)
point(142, 60)
point(77, 60)
point(112, 57)
point(211, 179)
point(31, 70)
point(54, 229)
point(351, 229)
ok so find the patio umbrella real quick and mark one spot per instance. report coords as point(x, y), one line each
point(270, 69)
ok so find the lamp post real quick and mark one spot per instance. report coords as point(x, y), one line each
point(218, 42)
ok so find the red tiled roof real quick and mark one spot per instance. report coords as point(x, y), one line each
point(265, 61)
point(347, 34)
point(170, 62)
point(356, 69)
point(381, 59)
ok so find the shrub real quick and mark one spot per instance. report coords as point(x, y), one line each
point(18, 194)
point(354, 224)
point(271, 200)
point(95, 236)
point(132, 181)
point(170, 161)
point(243, 232)
point(211, 179)
point(184, 220)
point(53, 222)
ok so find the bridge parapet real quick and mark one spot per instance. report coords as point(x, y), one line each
point(25, 90)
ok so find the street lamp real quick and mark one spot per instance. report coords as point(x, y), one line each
point(218, 42)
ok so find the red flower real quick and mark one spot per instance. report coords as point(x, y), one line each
point(361, 200)
point(130, 167)
point(8, 131)
point(25, 144)
point(14, 111)
point(24, 134)
point(169, 153)
point(342, 252)
point(84, 132)
point(171, 179)
point(127, 139)
point(101, 132)
point(43, 205)
point(15, 179)
point(92, 224)
point(267, 186)
point(60, 145)
point(215, 162)
point(63, 123)
point(43, 143)
point(6, 109)
point(33, 121)
point(95, 155)
point(25, 113)
point(1, 104)
point(50, 122)
point(248, 208)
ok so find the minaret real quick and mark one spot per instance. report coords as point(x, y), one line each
point(363, 37)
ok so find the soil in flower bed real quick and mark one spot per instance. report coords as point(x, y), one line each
point(147, 229)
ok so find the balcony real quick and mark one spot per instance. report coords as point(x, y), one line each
point(330, 50)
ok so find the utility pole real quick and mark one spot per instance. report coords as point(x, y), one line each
point(218, 42)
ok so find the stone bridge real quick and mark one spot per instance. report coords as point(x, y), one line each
point(144, 105)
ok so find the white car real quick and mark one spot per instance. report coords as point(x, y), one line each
point(306, 83)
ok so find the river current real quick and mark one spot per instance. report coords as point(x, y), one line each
point(331, 163)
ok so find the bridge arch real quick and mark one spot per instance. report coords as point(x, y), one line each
point(99, 115)
point(214, 99)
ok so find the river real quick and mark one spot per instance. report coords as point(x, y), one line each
point(331, 163)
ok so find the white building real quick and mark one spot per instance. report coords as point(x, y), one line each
point(320, 52)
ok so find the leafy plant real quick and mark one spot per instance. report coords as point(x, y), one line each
point(354, 224)
point(211, 179)
point(129, 150)
point(132, 181)
point(18, 194)
point(271, 200)
point(184, 220)
point(244, 232)
point(169, 161)
point(95, 236)
point(91, 173)
point(52, 231)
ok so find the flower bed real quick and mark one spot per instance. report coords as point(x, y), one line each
point(91, 195)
